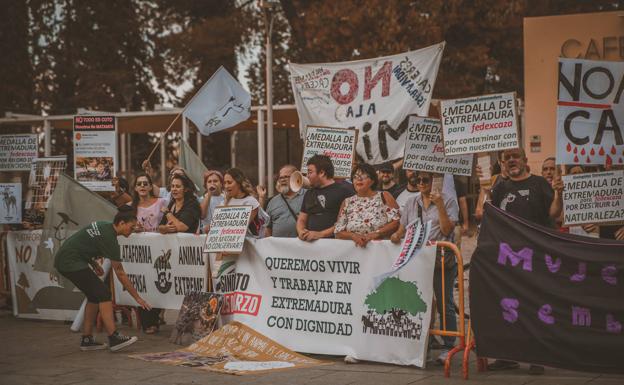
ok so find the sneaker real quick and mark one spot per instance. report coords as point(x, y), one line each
point(442, 357)
point(536, 370)
point(87, 343)
point(118, 341)
point(503, 365)
point(350, 360)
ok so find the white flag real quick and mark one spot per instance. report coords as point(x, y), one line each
point(221, 103)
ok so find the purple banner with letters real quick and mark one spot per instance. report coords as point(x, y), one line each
point(545, 297)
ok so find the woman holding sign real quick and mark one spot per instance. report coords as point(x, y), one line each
point(443, 212)
point(369, 214)
point(240, 192)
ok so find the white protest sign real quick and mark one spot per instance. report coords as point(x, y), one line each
point(590, 112)
point(484, 161)
point(325, 298)
point(480, 124)
point(336, 143)
point(228, 229)
point(374, 96)
point(593, 198)
point(162, 268)
point(95, 151)
point(37, 294)
point(424, 150)
point(11, 205)
point(17, 151)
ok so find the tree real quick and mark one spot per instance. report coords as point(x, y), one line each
point(16, 75)
point(396, 296)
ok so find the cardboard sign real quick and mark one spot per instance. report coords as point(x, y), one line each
point(424, 150)
point(11, 205)
point(228, 229)
point(593, 198)
point(95, 151)
point(17, 152)
point(590, 112)
point(337, 143)
point(480, 124)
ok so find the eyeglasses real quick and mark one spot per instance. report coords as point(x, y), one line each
point(146, 183)
point(423, 180)
point(284, 177)
point(360, 177)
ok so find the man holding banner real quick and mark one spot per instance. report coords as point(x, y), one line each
point(530, 197)
point(321, 203)
point(72, 261)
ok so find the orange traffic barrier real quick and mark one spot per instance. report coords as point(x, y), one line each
point(445, 248)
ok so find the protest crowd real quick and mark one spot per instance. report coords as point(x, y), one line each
point(353, 246)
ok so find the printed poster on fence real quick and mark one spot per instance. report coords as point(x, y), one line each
point(424, 150)
point(593, 198)
point(228, 229)
point(325, 298)
point(336, 143)
point(480, 124)
point(37, 294)
point(11, 206)
point(17, 151)
point(374, 96)
point(163, 268)
point(590, 112)
point(95, 151)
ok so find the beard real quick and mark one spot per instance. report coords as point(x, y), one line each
point(283, 189)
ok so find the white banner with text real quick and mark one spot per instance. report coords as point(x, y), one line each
point(331, 297)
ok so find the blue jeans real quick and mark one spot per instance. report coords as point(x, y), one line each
point(450, 274)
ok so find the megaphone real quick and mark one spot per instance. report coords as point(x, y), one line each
point(298, 181)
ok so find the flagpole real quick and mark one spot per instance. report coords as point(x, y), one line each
point(180, 113)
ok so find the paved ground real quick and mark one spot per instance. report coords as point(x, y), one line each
point(46, 352)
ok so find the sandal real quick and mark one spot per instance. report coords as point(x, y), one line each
point(151, 330)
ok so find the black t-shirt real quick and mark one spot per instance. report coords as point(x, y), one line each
point(395, 190)
point(529, 199)
point(322, 205)
point(189, 214)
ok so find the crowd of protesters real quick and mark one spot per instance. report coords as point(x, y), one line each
point(370, 205)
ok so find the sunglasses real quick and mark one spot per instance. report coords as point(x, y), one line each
point(143, 183)
point(423, 180)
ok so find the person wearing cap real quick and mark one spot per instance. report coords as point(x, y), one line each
point(385, 172)
point(213, 197)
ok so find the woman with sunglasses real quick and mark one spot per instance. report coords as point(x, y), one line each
point(148, 209)
point(443, 212)
point(369, 214)
point(147, 206)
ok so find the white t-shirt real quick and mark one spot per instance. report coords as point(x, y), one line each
point(403, 197)
point(246, 201)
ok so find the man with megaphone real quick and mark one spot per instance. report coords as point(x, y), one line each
point(322, 202)
point(284, 207)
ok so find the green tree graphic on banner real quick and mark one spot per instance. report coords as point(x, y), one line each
point(394, 295)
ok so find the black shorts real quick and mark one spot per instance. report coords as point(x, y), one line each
point(88, 282)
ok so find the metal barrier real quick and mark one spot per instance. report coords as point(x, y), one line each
point(460, 332)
